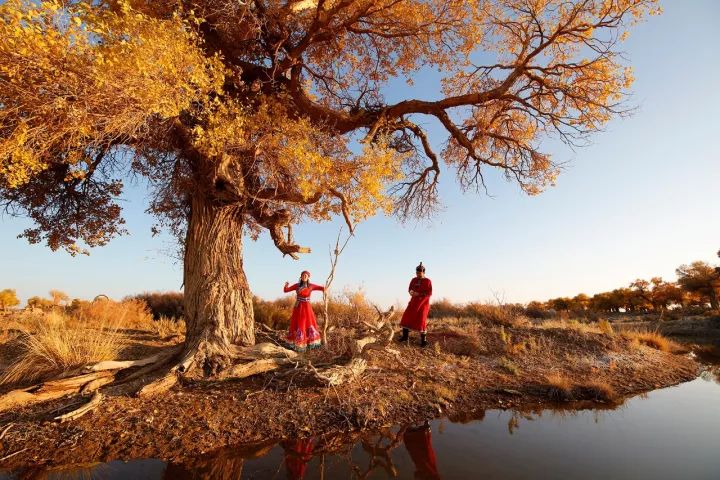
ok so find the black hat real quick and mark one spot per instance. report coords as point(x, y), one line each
point(420, 268)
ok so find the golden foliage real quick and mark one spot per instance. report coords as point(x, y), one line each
point(281, 110)
point(77, 78)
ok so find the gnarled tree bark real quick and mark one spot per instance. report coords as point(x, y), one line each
point(218, 301)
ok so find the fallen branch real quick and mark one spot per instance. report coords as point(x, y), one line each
point(94, 402)
point(264, 350)
point(339, 374)
point(253, 368)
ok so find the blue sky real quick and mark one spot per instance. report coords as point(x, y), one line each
point(638, 202)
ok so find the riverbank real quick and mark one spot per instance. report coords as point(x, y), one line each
point(469, 367)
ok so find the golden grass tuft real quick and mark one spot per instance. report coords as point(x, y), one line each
point(559, 387)
point(508, 365)
point(654, 340)
point(56, 345)
point(165, 327)
point(605, 327)
point(596, 390)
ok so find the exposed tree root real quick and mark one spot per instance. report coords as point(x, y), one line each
point(94, 402)
point(213, 359)
point(121, 365)
point(54, 389)
point(162, 384)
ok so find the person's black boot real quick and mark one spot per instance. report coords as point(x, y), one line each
point(423, 340)
point(404, 337)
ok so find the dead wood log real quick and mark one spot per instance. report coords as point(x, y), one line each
point(77, 413)
point(264, 350)
point(245, 370)
point(53, 389)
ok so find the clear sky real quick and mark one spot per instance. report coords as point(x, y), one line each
point(640, 201)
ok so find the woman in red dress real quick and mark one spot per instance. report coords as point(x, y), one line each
point(303, 333)
point(416, 313)
point(418, 441)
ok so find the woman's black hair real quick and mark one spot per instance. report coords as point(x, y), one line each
point(420, 268)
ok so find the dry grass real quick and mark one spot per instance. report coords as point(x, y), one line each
point(559, 387)
point(508, 365)
point(654, 340)
point(131, 313)
point(165, 327)
point(596, 390)
point(605, 327)
point(56, 345)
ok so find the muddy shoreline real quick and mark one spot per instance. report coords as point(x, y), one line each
point(464, 373)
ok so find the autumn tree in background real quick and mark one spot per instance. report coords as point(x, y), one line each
point(241, 116)
point(8, 299)
point(702, 279)
point(39, 303)
point(58, 297)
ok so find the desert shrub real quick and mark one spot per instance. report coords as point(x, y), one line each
point(163, 304)
point(537, 311)
point(129, 313)
point(494, 314)
point(444, 308)
point(56, 344)
point(273, 313)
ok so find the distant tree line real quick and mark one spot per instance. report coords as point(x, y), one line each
point(697, 288)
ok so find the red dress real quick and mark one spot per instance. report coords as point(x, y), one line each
point(297, 455)
point(416, 313)
point(418, 441)
point(303, 333)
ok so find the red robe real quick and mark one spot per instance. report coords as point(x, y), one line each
point(416, 313)
point(303, 333)
point(297, 455)
point(418, 441)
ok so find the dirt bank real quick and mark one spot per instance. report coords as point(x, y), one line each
point(468, 368)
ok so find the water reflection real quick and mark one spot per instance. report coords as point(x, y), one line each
point(418, 442)
point(666, 434)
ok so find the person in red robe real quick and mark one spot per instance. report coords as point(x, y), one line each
point(297, 455)
point(416, 313)
point(418, 441)
point(303, 333)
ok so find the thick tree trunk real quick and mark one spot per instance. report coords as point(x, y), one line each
point(218, 301)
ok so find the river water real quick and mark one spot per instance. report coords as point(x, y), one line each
point(670, 433)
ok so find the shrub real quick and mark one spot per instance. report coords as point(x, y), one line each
point(130, 313)
point(163, 304)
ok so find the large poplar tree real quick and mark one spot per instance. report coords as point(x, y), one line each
point(241, 115)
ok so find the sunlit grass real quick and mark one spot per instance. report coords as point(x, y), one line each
point(56, 344)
